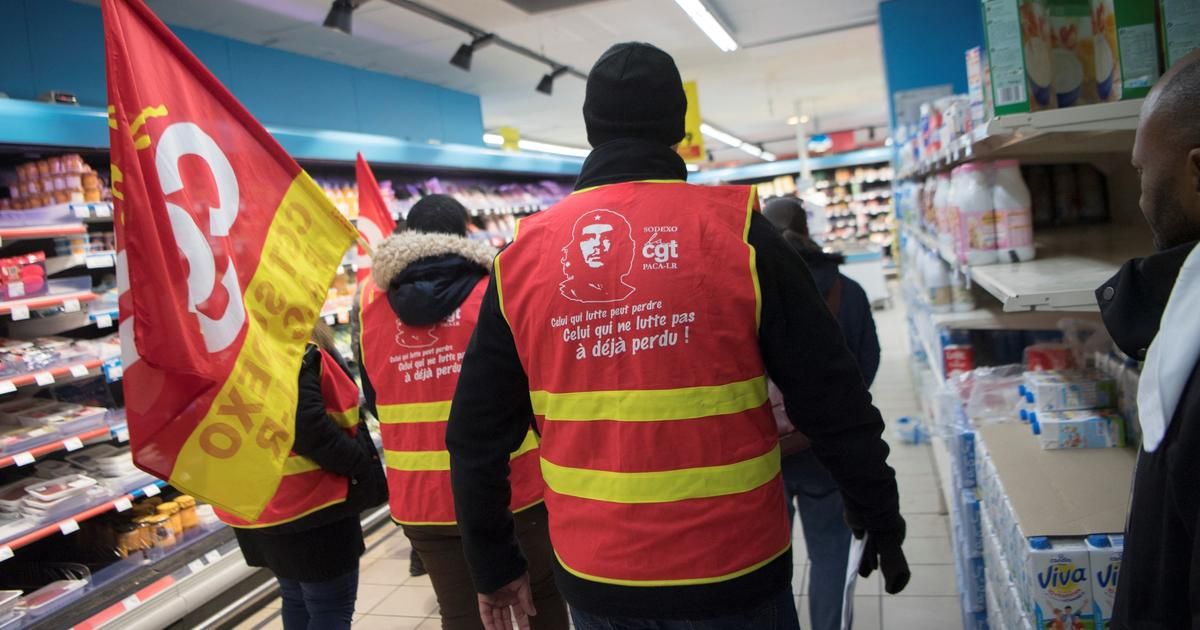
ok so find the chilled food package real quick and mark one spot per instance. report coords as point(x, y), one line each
point(50, 594)
point(1106, 552)
point(62, 487)
point(8, 602)
point(1078, 429)
point(23, 357)
point(66, 417)
point(16, 437)
point(14, 493)
point(91, 457)
point(1068, 391)
point(53, 469)
point(12, 620)
point(1060, 585)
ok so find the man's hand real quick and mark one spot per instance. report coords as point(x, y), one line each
point(514, 600)
point(883, 552)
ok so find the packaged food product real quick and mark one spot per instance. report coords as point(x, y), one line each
point(50, 594)
point(1061, 591)
point(11, 620)
point(162, 535)
point(129, 538)
point(1078, 429)
point(1073, 52)
point(976, 215)
point(170, 509)
point(1180, 29)
point(1105, 560)
point(60, 488)
point(1019, 55)
point(1126, 46)
point(1014, 213)
point(187, 511)
point(1068, 391)
point(1048, 357)
point(8, 602)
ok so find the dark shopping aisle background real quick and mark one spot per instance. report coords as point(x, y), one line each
point(389, 599)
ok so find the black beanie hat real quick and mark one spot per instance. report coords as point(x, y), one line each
point(634, 91)
point(438, 214)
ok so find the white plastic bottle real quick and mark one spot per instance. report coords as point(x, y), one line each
point(1014, 213)
point(941, 209)
point(937, 284)
point(977, 216)
point(961, 299)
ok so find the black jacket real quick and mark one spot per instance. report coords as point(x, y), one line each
point(1159, 586)
point(805, 355)
point(321, 545)
point(853, 315)
point(427, 277)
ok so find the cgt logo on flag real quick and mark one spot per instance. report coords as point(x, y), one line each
point(226, 252)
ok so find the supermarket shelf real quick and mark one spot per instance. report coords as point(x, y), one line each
point(71, 523)
point(993, 318)
point(186, 589)
point(1071, 264)
point(70, 300)
point(95, 260)
point(49, 376)
point(861, 157)
point(71, 443)
point(941, 464)
point(1084, 130)
point(1073, 492)
point(101, 210)
point(44, 124)
point(40, 231)
point(337, 310)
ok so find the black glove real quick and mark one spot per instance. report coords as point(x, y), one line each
point(883, 552)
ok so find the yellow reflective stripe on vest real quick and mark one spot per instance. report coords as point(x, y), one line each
point(347, 419)
point(662, 486)
point(652, 405)
point(414, 412)
point(679, 582)
point(412, 461)
point(296, 464)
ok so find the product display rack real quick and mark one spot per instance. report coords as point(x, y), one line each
point(1071, 262)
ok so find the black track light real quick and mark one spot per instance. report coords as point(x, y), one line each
point(546, 85)
point(462, 57)
point(340, 16)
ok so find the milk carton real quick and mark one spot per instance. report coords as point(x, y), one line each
point(1068, 391)
point(1079, 429)
point(1105, 560)
point(1019, 55)
point(1060, 587)
point(1126, 48)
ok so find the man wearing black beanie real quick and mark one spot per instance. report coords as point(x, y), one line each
point(658, 447)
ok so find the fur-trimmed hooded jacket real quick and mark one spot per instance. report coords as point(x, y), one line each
point(427, 277)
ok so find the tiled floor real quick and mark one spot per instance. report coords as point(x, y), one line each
point(388, 598)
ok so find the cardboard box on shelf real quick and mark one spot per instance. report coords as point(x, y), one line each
point(1126, 48)
point(1073, 52)
point(1019, 52)
point(1180, 28)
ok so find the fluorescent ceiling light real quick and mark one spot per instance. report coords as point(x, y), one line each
point(721, 136)
point(793, 120)
point(496, 139)
point(736, 142)
point(708, 23)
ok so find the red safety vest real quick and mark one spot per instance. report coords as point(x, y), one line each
point(635, 311)
point(414, 370)
point(305, 487)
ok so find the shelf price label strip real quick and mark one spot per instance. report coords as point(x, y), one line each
point(108, 615)
point(65, 527)
point(48, 377)
point(19, 309)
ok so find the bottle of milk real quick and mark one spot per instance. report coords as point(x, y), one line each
point(1105, 558)
point(937, 284)
point(1060, 583)
point(943, 211)
point(976, 214)
point(1014, 213)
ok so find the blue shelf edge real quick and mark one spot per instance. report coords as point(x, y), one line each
point(763, 170)
point(46, 124)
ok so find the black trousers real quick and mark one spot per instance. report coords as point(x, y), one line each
point(441, 550)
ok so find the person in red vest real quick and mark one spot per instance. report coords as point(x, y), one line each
point(418, 313)
point(659, 450)
point(310, 535)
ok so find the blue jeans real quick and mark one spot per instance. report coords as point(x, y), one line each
point(812, 489)
point(777, 613)
point(319, 605)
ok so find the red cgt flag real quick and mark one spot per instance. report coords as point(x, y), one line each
point(374, 219)
point(226, 249)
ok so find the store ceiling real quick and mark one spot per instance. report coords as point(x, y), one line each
point(834, 73)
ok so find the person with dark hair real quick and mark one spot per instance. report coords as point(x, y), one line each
point(1150, 309)
point(648, 381)
point(809, 485)
point(418, 313)
point(310, 535)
